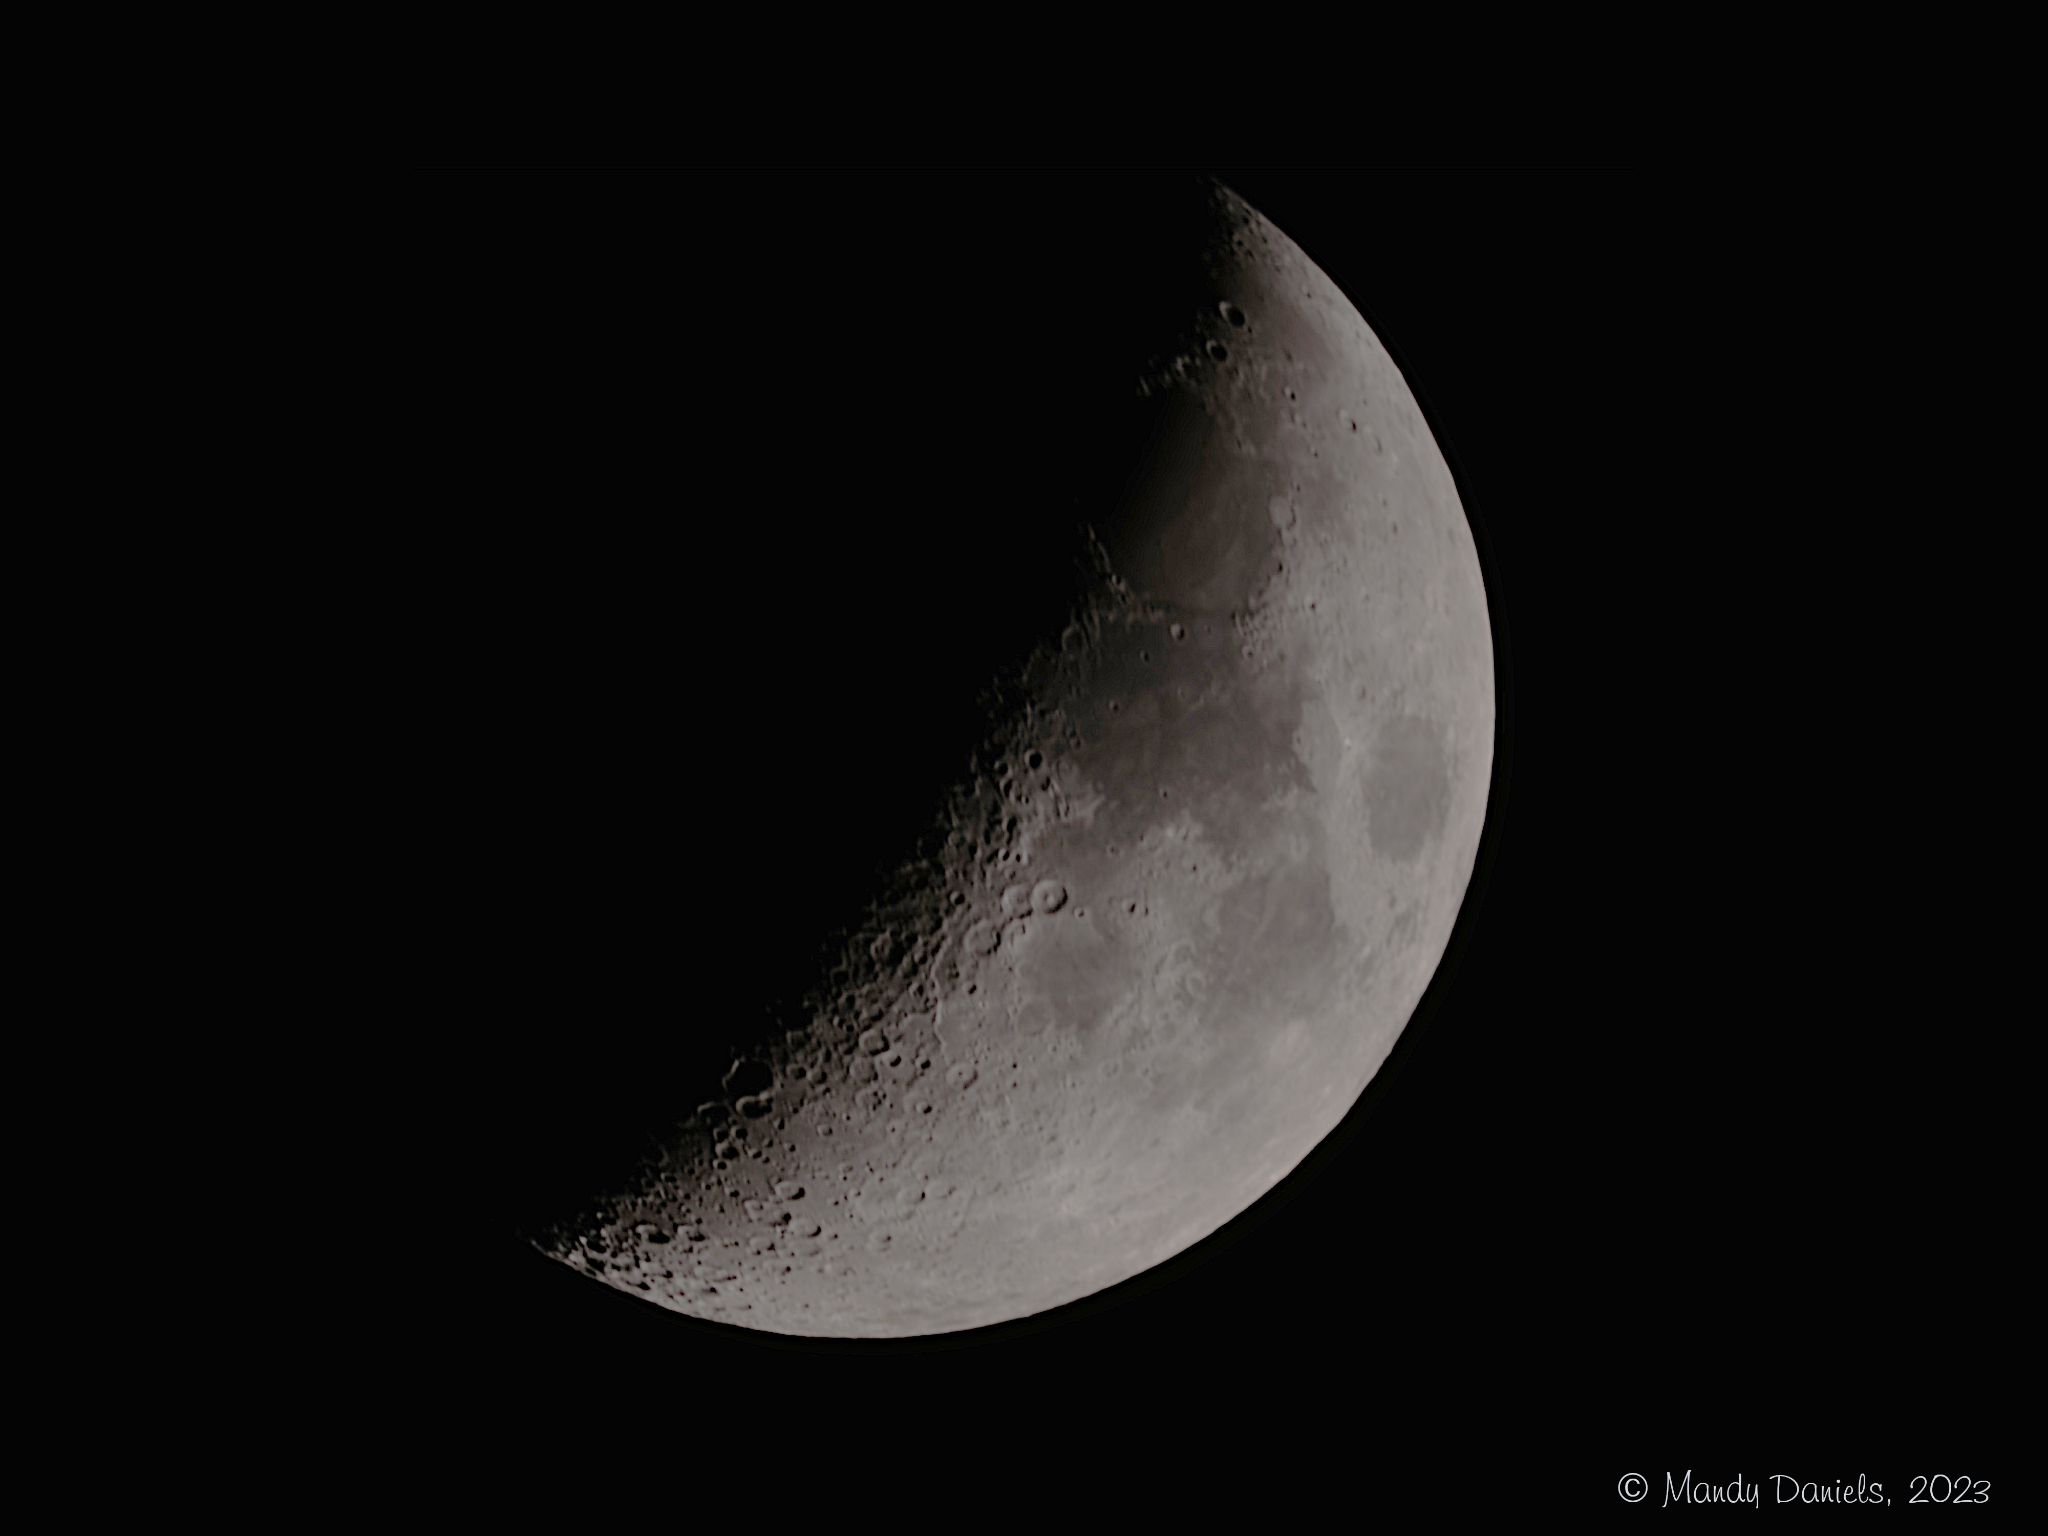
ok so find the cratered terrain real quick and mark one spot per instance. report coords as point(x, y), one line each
point(1167, 906)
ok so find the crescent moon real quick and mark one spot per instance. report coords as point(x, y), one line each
point(1171, 913)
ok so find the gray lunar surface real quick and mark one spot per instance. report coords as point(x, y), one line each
point(1176, 908)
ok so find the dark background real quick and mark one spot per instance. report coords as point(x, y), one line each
point(1649, 1179)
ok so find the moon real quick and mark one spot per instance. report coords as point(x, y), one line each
point(1170, 914)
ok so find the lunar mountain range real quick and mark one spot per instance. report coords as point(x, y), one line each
point(1169, 915)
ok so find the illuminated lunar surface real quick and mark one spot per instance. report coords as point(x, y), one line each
point(1173, 913)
